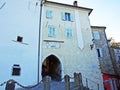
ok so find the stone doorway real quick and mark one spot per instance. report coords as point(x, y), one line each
point(52, 67)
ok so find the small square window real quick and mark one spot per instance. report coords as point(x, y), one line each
point(96, 35)
point(16, 70)
point(19, 38)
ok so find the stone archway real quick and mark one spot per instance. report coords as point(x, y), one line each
point(52, 67)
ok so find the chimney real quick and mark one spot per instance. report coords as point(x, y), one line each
point(75, 3)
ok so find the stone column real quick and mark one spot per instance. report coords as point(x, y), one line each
point(46, 81)
point(67, 82)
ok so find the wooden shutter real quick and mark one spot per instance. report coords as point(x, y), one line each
point(49, 14)
point(72, 17)
point(101, 52)
point(69, 33)
point(63, 16)
point(51, 31)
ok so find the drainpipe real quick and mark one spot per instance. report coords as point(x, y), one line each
point(39, 40)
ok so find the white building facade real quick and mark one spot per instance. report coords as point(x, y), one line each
point(19, 26)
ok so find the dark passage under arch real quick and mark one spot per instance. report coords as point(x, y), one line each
point(52, 67)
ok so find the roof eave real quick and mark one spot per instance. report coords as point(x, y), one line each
point(98, 27)
point(90, 10)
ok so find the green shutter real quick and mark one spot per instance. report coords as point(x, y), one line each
point(72, 17)
point(69, 33)
point(49, 13)
point(101, 53)
point(63, 16)
point(51, 31)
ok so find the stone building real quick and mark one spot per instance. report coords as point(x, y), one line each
point(105, 58)
point(101, 44)
point(115, 53)
point(66, 42)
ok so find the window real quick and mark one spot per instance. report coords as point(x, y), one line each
point(67, 16)
point(99, 52)
point(69, 33)
point(119, 58)
point(19, 38)
point(96, 35)
point(16, 70)
point(118, 61)
point(51, 31)
point(49, 13)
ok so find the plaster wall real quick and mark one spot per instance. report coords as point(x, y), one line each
point(73, 58)
point(19, 18)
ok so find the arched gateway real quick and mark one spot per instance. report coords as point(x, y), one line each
point(51, 66)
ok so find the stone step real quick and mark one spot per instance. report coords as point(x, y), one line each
point(54, 86)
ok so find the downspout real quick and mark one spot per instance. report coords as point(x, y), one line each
point(39, 40)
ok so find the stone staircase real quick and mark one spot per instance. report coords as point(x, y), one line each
point(49, 84)
point(54, 85)
point(67, 83)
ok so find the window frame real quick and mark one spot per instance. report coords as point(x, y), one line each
point(51, 31)
point(19, 39)
point(16, 70)
point(66, 16)
point(69, 33)
point(99, 52)
point(49, 14)
point(96, 35)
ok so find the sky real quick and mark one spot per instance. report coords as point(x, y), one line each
point(105, 13)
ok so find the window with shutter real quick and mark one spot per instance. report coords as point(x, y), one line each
point(100, 52)
point(96, 35)
point(51, 31)
point(49, 13)
point(67, 16)
point(118, 61)
point(69, 33)
point(72, 17)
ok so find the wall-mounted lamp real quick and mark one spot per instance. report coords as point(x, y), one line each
point(92, 45)
point(93, 40)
